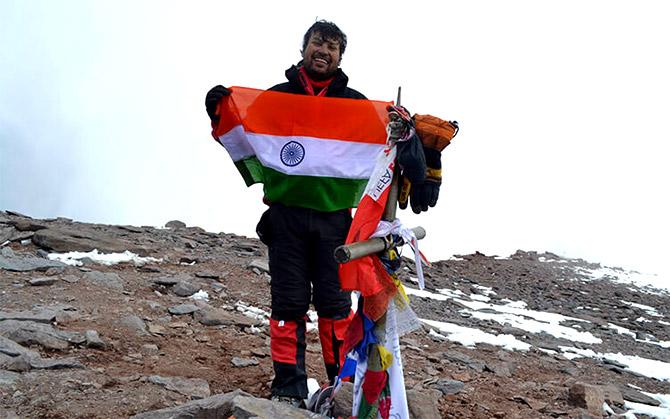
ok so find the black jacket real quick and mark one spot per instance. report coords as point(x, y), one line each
point(337, 88)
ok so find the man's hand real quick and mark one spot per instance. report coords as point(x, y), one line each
point(212, 100)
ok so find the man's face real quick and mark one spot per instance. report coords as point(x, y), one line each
point(321, 57)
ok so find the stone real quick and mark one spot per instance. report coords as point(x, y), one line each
point(342, 403)
point(236, 404)
point(107, 279)
point(24, 224)
point(17, 263)
point(588, 397)
point(196, 388)
point(42, 281)
point(135, 324)
point(45, 335)
point(175, 224)
point(55, 364)
point(182, 309)
point(63, 240)
point(635, 396)
point(185, 289)
point(447, 386)
point(422, 404)
point(220, 317)
point(150, 348)
point(260, 264)
point(70, 279)
point(8, 379)
point(613, 395)
point(93, 340)
point(207, 275)
point(156, 329)
point(243, 362)
point(170, 281)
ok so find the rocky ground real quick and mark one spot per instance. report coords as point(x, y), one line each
point(113, 341)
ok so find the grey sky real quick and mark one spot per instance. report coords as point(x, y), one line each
point(563, 108)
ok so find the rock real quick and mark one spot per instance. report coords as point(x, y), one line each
point(63, 240)
point(29, 333)
point(182, 309)
point(156, 329)
point(423, 404)
point(93, 340)
point(70, 279)
point(237, 404)
point(260, 264)
point(107, 279)
point(447, 386)
point(587, 396)
point(54, 364)
point(19, 363)
point(170, 281)
point(613, 395)
point(8, 379)
point(40, 315)
point(196, 388)
point(135, 324)
point(243, 362)
point(175, 224)
point(635, 396)
point(207, 275)
point(342, 403)
point(42, 281)
point(185, 289)
point(150, 349)
point(220, 317)
point(24, 224)
point(17, 263)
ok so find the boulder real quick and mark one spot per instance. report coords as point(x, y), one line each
point(62, 240)
point(587, 396)
point(237, 404)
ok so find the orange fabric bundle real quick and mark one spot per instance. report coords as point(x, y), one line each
point(434, 132)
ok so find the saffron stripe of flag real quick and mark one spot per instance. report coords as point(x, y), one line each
point(313, 152)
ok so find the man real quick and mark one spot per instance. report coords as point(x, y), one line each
point(301, 241)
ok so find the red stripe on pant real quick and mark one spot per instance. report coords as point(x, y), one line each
point(287, 347)
point(331, 335)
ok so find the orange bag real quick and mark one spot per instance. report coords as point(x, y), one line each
point(434, 132)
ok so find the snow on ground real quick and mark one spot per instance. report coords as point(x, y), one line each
point(650, 310)
point(253, 312)
point(662, 411)
point(648, 367)
point(470, 337)
point(513, 313)
point(646, 281)
point(74, 258)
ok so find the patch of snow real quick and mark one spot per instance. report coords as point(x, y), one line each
point(650, 310)
point(621, 330)
point(485, 290)
point(451, 293)
point(200, 295)
point(74, 258)
point(253, 312)
point(642, 319)
point(644, 281)
point(478, 297)
point(664, 323)
point(425, 294)
point(648, 367)
point(470, 337)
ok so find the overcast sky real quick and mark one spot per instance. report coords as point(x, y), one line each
point(563, 106)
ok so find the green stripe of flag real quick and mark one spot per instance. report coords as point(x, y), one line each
point(316, 192)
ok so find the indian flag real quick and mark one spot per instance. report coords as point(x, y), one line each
point(311, 152)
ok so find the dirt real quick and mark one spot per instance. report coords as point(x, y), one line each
point(114, 382)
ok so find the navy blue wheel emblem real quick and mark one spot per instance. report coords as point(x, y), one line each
point(292, 153)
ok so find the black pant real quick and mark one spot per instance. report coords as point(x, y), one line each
point(301, 243)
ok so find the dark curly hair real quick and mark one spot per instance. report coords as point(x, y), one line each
point(328, 30)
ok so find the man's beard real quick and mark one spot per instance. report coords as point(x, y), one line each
point(319, 76)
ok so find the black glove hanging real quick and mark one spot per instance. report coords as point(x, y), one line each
point(426, 193)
